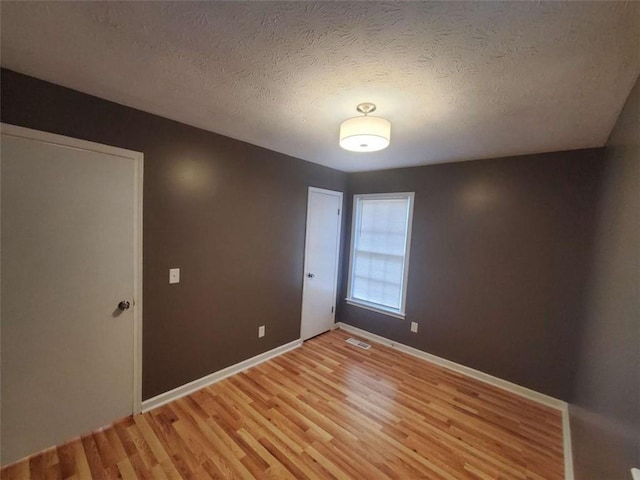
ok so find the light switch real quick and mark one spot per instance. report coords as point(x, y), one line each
point(174, 275)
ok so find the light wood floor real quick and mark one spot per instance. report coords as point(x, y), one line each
point(325, 410)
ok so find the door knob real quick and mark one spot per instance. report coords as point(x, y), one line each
point(310, 275)
point(124, 305)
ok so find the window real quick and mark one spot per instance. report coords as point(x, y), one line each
point(381, 235)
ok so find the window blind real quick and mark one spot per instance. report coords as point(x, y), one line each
point(378, 257)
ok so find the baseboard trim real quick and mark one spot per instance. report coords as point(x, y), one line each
point(212, 378)
point(470, 372)
point(486, 378)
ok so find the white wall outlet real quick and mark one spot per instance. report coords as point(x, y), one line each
point(414, 327)
point(174, 275)
point(261, 331)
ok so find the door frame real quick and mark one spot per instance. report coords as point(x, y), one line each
point(339, 195)
point(138, 159)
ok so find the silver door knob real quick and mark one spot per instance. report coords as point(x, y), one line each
point(124, 305)
point(310, 275)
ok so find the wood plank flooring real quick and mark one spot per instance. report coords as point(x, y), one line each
point(325, 410)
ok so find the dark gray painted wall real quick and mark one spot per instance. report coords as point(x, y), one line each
point(605, 416)
point(499, 258)
point(499, 263)
point(231, 215)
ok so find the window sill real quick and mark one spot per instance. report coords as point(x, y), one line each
point(374, 308)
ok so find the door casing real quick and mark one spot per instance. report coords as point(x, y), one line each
point(339, 195)
point(138, 158)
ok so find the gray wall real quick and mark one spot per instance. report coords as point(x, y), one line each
point(507, 273)
point(605, 416)
point(231, 215)
point(499, 258)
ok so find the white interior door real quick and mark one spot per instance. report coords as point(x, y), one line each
point(322, 248)
point(70, 250)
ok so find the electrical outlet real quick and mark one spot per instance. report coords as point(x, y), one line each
point(414, 327)
point(174, 275)
point(261, 331)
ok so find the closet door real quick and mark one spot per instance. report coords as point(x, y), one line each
point(70, 215)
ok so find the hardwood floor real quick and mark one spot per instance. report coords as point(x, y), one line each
point(325, 410)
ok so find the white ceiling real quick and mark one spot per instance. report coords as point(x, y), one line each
point(458, 81)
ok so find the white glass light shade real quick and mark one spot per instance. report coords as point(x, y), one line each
point(365, 134)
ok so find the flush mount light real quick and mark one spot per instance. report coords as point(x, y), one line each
point(365, 134)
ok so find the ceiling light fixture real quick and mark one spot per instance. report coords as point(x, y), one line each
point(365, 134)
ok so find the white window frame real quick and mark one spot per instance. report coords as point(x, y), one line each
point(400, 313)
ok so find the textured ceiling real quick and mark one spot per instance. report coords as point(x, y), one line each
point(458, 81)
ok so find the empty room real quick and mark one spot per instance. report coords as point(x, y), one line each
point(320, 240)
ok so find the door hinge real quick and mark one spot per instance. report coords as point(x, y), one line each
point(338, 211)
point(331, 309)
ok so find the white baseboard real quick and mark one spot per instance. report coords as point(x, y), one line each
point(191, 387)
point(486, 378)
point(470, 372)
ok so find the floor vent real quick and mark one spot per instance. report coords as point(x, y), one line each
point(359, 343)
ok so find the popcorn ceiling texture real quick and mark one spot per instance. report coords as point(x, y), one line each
point(458, 81)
